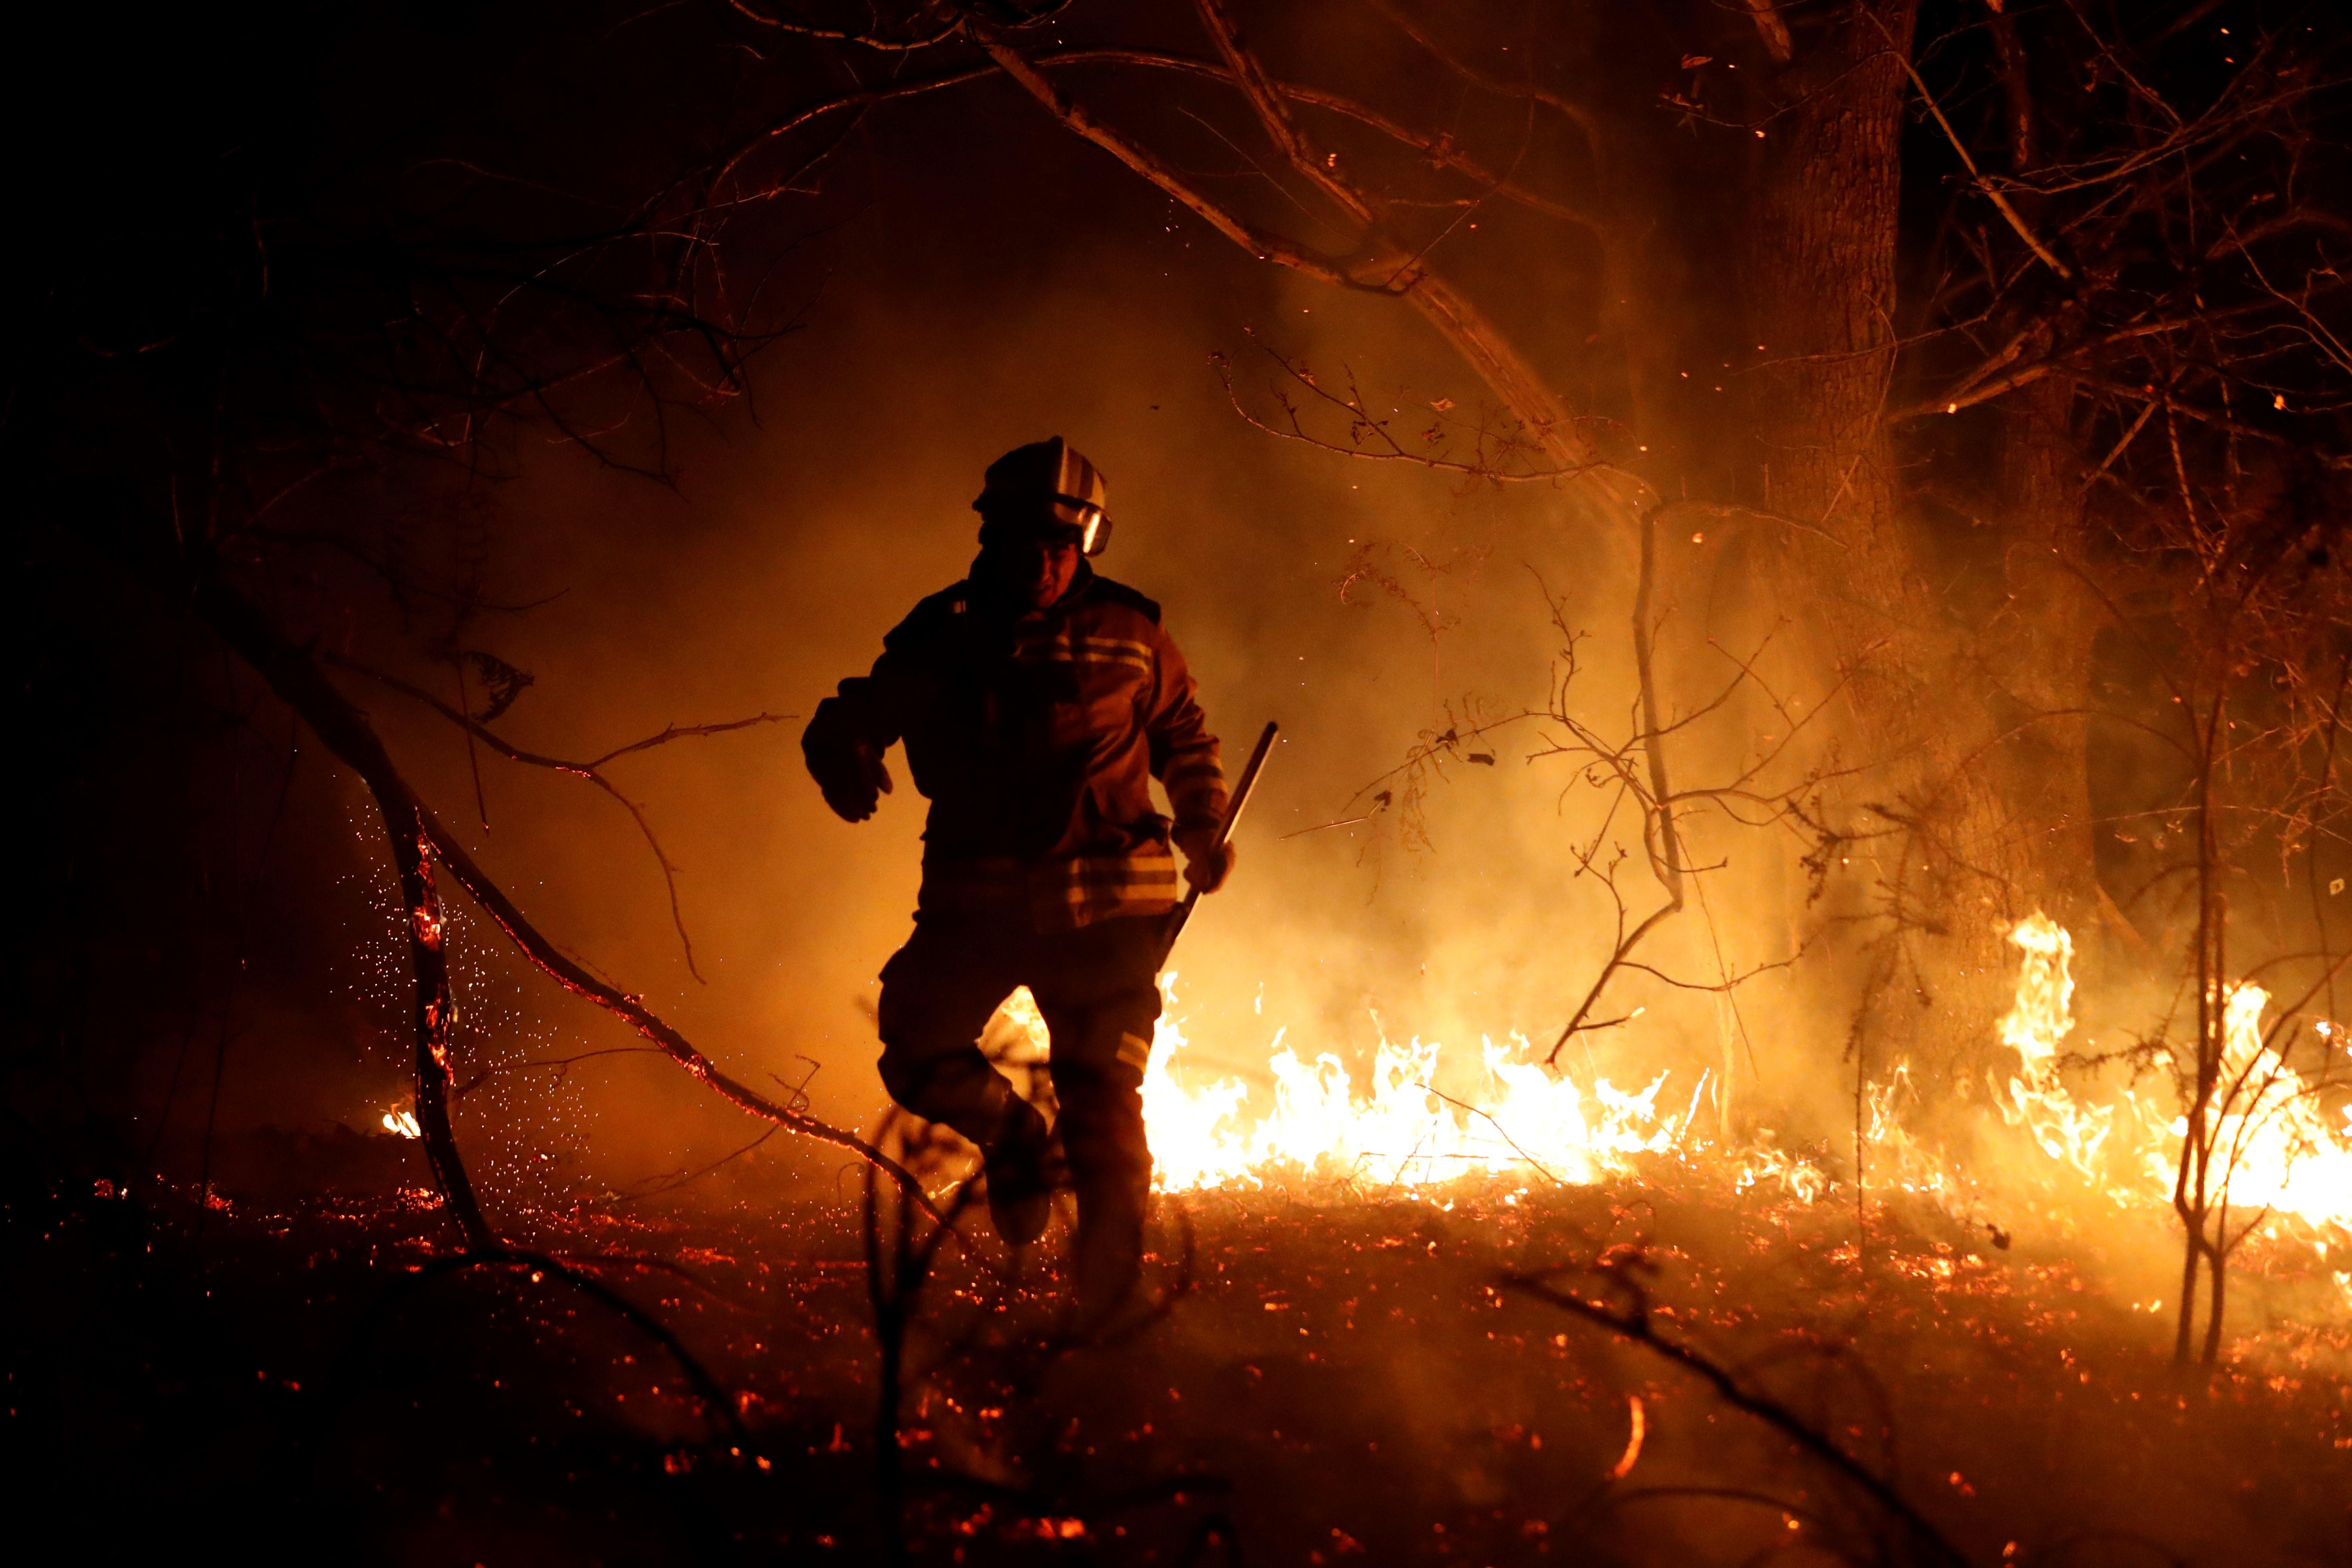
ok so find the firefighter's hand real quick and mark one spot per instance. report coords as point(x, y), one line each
point(1207, 863)
point(854, 781)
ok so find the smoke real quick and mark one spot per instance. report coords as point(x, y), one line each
point(990, 281)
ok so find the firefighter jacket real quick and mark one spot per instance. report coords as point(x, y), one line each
point(1036, 734)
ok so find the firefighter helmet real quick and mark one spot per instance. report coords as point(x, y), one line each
point(1052, 483)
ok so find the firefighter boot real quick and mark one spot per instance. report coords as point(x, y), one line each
point(1110, 1264)
point(1020, 1164)
point(1110, 1165)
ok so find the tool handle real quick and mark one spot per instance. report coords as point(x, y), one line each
point(1184, 911)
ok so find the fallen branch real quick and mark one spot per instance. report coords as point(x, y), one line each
point(418, 840)
point(633, 1010)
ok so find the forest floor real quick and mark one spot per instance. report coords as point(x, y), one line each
point(1330, 1382)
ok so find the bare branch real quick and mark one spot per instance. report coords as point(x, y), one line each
point(2015, 219)
point(1634, 1323)
point(1266, 99)
point(1379, 265)
point(475, 729)
point(880, 42)
point(1576, 113)
point(1260, 243)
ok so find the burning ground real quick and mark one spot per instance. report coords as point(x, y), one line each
point(1382, 1327)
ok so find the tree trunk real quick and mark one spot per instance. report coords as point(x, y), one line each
point(297, 681)
point(1944, 861)
point(2037, 657)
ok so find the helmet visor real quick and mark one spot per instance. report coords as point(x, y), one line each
point(1060, 520)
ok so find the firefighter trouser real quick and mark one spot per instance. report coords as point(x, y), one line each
point(1096, 987)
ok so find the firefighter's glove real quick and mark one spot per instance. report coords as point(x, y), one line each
point(853, 779)
point(1207, 863)
point(846, 766)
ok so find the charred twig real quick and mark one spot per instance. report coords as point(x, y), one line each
point(1498, 456)
point(1500, 1132)
point(672, 1185)
point(1633, 1323)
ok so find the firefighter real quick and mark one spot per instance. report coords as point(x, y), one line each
point(1037, 701)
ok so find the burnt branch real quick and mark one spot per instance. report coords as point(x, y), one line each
point(633, 1011)
point(926, 29)
point(561, 1065)
point(345, 732)
point(1633, 1323)
point(420, 843)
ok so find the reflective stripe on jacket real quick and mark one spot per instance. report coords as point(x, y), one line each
point(1036, 735)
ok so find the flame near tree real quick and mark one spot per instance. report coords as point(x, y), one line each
point(2282, 1154)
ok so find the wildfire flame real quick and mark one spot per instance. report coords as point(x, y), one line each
point(2273, 1141)
point(2275, 1148)
point(402, 1124)
point(2043, 1015)
point(1798, 1176)
point(1399, 1130)
point(2280, 1149)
